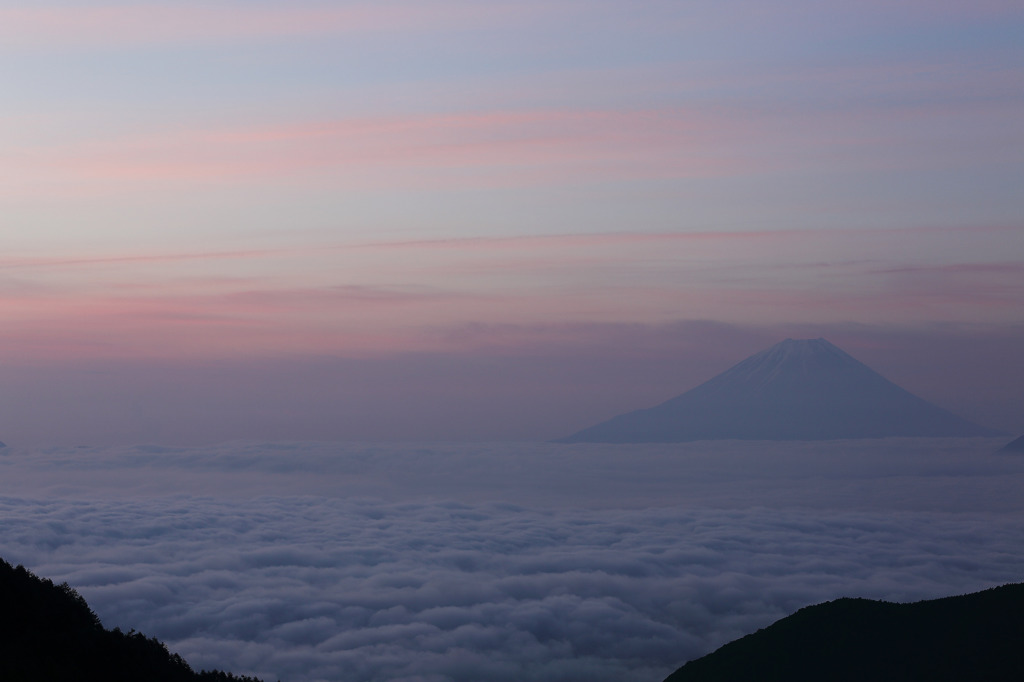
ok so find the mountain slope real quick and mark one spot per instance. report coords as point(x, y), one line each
point(804, 389)
point(972, 637)
point(1016, 445)
point(49, 633)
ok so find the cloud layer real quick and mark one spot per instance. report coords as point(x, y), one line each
point(321, 562)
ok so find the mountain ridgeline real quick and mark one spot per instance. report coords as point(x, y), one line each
point(1016, 445)
point(48, 633)
point(975, 637)
point(799, 389)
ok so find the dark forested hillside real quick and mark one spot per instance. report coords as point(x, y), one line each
point(971, 637)
point(49, 633)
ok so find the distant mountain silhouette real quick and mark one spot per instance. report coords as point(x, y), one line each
point(804, 389)
point(1014, 445)
point(969, 638)
point(49, 634)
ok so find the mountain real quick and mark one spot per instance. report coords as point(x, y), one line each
point(799, 389)
point(971, 637)
point(48, 632)
point(1014, 446)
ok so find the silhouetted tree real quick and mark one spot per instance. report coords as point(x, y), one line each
point(48, 633)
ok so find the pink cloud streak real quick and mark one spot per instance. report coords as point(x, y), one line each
point(131, 259)
point(518, 148)
point(537, 244)
point(380, 298)
point(508, 149)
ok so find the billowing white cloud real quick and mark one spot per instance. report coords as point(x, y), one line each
point(454, 563)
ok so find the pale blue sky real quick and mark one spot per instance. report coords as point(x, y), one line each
point(190, 183)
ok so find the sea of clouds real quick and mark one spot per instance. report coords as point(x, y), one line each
point(445, 563)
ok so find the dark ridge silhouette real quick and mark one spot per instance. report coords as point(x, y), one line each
point(48, 633)
point(804, 389)
point(977, 636)
point(1014, 446)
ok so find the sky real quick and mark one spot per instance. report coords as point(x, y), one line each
point(317, 562)
point(469, 221)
